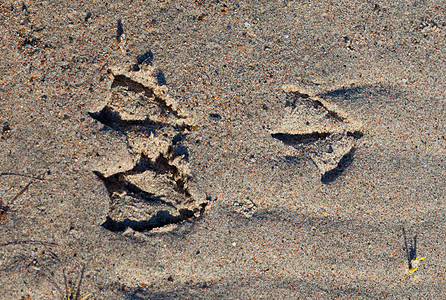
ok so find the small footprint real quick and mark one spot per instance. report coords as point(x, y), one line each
point(321, 130)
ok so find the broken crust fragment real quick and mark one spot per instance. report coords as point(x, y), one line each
point(329, 160)
point(349, 123)
point(152, 146)
point(305, 88)
point(145, 76)
point(304, 120)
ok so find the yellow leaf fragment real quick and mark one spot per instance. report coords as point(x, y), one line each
point(85, 297)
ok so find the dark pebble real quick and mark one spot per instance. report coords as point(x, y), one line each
point(215, 117)
point(88, 16)
point(6, 127)
point(145, 58)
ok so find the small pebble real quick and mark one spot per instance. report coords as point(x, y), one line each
point(88, 16)
point(6, 128)
point(119, 30)
point(215, 117)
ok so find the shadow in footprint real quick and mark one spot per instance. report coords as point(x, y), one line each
point(343, 164)
point(112, 119)
point(294, 139)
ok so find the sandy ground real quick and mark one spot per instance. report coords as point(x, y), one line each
point(222, 149)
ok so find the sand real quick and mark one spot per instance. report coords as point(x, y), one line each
point(222, 149)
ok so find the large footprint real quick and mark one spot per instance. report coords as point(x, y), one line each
point(319, 128)
point(156, 192)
